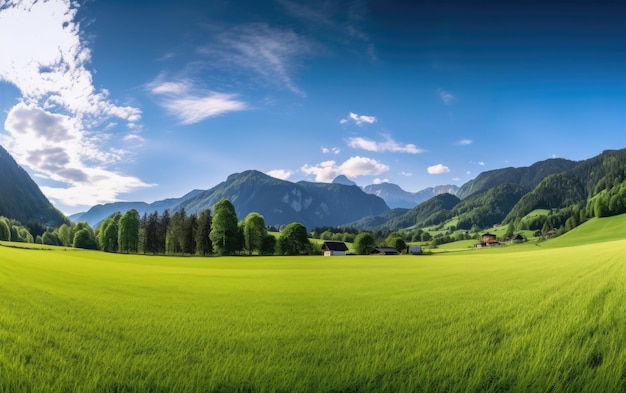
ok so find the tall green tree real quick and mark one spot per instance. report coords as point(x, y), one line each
point(294, 240)
point(224, 231)
point(128, 232)
point(164, 227)
point(204, 246)
point(364, 243)
point(396, 241)
point(151, 233)
point(107, 233)
point(254, 231)
point(65, 235)
point(84, 237)
point(5, 231)
point(177, 232)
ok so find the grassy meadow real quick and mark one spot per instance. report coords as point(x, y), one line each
point(520, 318)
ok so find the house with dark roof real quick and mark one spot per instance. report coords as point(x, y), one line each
point(334, 248)
point(385, 251)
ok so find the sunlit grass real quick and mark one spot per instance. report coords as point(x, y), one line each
point(545, 319)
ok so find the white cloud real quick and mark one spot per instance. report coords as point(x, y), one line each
point(56, 149)
point(272, 54)
point(380, 181)
point(407, 174)
point(456, 178)
point(63, 127)
point(446, 97)
point(334, 150)
point(465, 142)
point(282, 174)
point(47, 63)
point(438, 169)
point(353, 167)
point(387, 145)
point(192, 105)
point(482, 163)
point(358, 119)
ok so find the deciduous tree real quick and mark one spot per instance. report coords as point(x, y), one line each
point(224, 231)
point(294, 240)
point(254, 232)
point(364, 243)
point(128, 232)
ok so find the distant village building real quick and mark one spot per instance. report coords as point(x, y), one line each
point(385, 251)
point(518, 238)
point(415, 250)
point(488, 240)
point(334, 248)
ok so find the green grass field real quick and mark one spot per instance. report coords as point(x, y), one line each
point(548, 318)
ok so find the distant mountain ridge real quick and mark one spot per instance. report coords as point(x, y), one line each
point(282, 202)
point(396, 197)
point(21, 199)
point(98, 213)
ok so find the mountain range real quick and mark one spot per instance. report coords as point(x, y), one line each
point(496, 196)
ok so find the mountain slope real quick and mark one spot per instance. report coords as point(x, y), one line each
point(584, 181)
point(21, 198)
point(395, 196)
point(97, 213)
point(526, 177)
point(283, 202)
point(433, 211)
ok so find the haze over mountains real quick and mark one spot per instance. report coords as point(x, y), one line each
point(494, 196)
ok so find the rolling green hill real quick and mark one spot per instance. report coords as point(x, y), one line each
point(596, 230)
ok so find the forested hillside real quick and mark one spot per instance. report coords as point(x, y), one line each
point(525, 177)
point(599, 177)
point(21, 199)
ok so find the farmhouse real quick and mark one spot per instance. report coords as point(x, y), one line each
point(518, 238)
point(488, 240)
point(385, 251)
point(334, 248)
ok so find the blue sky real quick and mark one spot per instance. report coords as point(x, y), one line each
point(143, 100)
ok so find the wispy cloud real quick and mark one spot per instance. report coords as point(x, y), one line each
point(438, 169)
point(334, 150)
point(282, 174)
point(380, 181)
point(407, 174)
point(339, 22)
point(358, 119)
point(465, 142)
point(388, 145)
point(353, 167)
point(192, 105)
point(272, 54)
point(62, 127)
point(447, 97)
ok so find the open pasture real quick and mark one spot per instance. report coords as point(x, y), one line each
point(548, 319)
